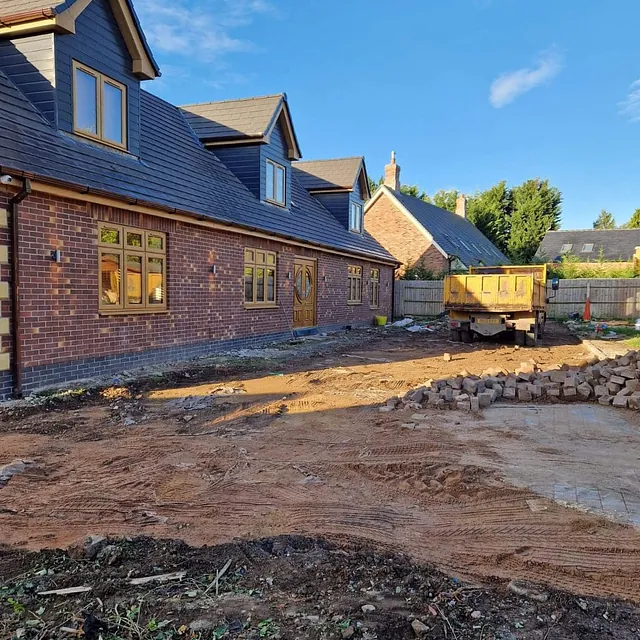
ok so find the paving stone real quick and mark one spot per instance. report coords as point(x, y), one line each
point(634, 385)
point(625, 391)
point(605, 400)
point(511, 382)
point(601, 390)
point(509, 393)
point(553, 392)
point(558, 376)
point(617, 380)
point(621, 402)
point(485, 398)
point(524, 395)
point(634, 400)
point(585, 389)
point(569, 392)
point(475, 404)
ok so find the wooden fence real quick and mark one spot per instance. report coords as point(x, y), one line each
point(610, 298)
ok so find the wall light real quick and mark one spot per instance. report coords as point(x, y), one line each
point(212, 268)
point(56, 255)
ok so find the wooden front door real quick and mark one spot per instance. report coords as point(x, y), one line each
point(304, 293)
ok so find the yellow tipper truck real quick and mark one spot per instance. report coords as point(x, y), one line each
point(491, 300)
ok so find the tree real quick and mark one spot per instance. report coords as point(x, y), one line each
point(634, 221)
point(490, 211)
point(446, 199)
point(605, 220)
point(536, 210)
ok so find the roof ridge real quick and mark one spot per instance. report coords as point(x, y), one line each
point(201, 104)
point(329, 159)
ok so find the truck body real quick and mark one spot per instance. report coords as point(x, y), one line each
point(491, 300)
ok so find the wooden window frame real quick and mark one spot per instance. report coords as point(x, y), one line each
point(374, 285)
point(354, 284)
point(252, 260)
point(273, 200)
point(101, 79)
point(360, 216)
point(123, 251)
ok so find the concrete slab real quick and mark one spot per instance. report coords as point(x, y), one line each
point(582, 455)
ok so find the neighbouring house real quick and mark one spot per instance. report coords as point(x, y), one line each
point(419, 233)
point(133, 231)
point(589, 245)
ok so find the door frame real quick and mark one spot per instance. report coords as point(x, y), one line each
point(314, 261)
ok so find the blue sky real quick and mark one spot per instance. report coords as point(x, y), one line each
point(467, 92)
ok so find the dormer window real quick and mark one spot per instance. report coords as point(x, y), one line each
point(276, 183)
point(355, 217)
point(99, 106)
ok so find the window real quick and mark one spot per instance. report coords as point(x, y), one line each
point(375, 288)
point(355, 217)
point(133, 269)
point(587, 248)
point(355, 285)
point(565, 248)
point(99, 106)
point(259, 278)
point(276, 183)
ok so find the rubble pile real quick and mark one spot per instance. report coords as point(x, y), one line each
point(614, 382)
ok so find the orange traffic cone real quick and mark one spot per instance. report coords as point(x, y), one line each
point(586, 316)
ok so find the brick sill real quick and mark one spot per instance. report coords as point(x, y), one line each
point(354, 304)
point(260, 306)
point(133, 312)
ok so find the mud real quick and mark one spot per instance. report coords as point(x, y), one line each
point(304, 450)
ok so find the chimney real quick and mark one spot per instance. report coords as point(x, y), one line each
point(461, 206)
point(392, 174)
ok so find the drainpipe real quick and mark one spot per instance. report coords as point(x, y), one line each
point(16, 360)
point(393, 294)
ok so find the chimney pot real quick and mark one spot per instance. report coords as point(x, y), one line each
point(461, 206)
point(392, 174)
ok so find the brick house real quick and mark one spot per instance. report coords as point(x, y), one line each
point(416, 232)
point(133, 231)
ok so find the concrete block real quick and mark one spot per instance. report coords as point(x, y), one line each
point(621, 402)
point(455, 383)
point(605, 400)
point(497, 390)
point(463, 405)
point(485, 399)
point(570, 381)
point(475, 404)
point(535, 390)
point(569, 392)
point(584, 389)
point(511, 382)
point(509, 393)
point(553, 392)
point(634, 385)
point(470, 385)
point(601, 390)
point(433, 397)
point(418, 395)
point(634, 401)
point(605, 372)
point(625, 392)
point(613, 388)
point(617, 380)
point(448, 394)
point(524, 395)
point(558, 376)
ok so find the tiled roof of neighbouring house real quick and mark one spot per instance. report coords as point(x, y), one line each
point(340, 173)
point(610, 244)
point(453, 233)
point(174, 171)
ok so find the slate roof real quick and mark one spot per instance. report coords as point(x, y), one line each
point(233, 119)
point(616, 244)
point(453, 233)
point(339, 173)
point(174, 171)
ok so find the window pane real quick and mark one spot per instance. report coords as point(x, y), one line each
point(270, 179)
point(134, 239)
point(155, 242)
point(109, 235)
point(280, 177)
point(110, 278)
point(155, 280)
point(271, 285)
point(86, 102)
point(112, 124)
point(259, 285)
point(271, 258)
point(248, 284)
point(134, 279)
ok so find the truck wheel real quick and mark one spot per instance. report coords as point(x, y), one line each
point(521, 338)
point(466, 336)
point(531, 337)
point(455, 335)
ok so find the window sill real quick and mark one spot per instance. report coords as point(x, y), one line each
point(275, 203)
point(374, 308)
point(102, 142)
point(131, 312)
point(354, 304)
point(260, 305)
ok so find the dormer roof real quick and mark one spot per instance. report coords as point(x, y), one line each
point(19, 17)
point(337, 174)
point(243, 121)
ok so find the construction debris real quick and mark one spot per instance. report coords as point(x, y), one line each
point(608, 381)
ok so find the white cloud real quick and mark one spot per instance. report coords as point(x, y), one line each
point(630, 106)
point(200, 28)
point(507, 87)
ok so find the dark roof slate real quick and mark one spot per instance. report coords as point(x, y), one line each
point(245, 118)
point(453, 233)
point(614, 244)
point(338, 173)
point(174, 171)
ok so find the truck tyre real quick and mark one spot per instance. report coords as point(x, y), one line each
point(521, 337)
point(466, 336)
point(531, 337)
point(455, 335)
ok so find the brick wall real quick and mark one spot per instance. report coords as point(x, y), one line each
point(65, 337)
point(400, 237)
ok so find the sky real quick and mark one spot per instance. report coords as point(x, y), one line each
point(467, 92)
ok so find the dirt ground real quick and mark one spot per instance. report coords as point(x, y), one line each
point(299, 446)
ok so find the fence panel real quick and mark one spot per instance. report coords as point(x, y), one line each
point(610, 298)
